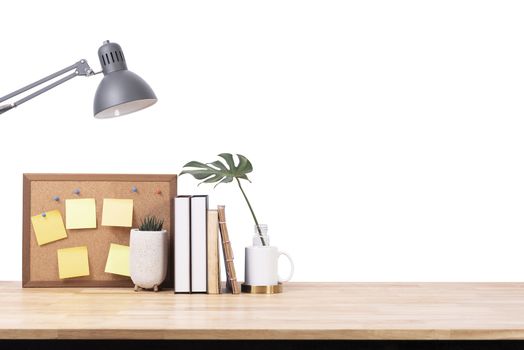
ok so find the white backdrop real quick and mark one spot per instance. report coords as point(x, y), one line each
point(387, 137)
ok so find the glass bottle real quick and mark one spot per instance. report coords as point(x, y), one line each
point(261, 237)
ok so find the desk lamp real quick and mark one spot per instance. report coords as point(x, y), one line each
point(120, 92)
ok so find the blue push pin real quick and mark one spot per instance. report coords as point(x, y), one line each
point(77, 191)
point(56, 198)
point(44, 214)
point(134, 189)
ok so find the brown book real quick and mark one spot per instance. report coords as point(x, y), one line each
point(213, 258)
point(232, 283)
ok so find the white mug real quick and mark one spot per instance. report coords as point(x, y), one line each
point(262, 266)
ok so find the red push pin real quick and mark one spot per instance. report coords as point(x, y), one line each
point(158, 192)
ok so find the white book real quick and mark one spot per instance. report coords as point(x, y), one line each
point(182, 243)
point(199, 244)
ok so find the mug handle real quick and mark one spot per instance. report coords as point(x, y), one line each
point(280, 279)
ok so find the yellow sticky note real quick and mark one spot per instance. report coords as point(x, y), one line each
point(117, 212)
point(80, 213)
point(49, 227)
point(118, 260)
point(73, 262)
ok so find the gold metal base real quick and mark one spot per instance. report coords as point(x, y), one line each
point(246, 288)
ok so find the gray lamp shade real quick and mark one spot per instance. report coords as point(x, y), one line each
point(121, 91)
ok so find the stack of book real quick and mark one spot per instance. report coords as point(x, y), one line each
point(197, 264)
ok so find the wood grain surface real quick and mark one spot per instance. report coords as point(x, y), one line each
point(430, 311)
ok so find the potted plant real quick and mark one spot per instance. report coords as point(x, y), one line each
point(261, 267)
point(148, 253)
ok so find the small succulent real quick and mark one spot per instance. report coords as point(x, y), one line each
point(151, 223)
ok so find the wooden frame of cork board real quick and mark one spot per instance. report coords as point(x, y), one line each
point(154, 196)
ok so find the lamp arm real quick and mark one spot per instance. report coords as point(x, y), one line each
point(81, 68)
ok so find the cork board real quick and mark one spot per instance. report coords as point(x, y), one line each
point(154, 196)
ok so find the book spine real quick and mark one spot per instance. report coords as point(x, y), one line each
point(213, 258)
point(182, 244)
point(228, 252)
point(199, 206)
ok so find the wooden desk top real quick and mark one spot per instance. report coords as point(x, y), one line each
point(303, 311)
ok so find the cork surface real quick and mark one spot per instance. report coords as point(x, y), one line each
point(153, 197)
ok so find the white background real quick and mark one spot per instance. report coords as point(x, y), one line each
point(387, 137)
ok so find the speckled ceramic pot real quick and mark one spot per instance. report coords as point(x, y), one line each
point(148, 258)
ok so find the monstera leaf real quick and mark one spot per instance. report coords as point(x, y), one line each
point(219, 171)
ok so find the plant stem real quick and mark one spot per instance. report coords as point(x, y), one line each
point(252, 212)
